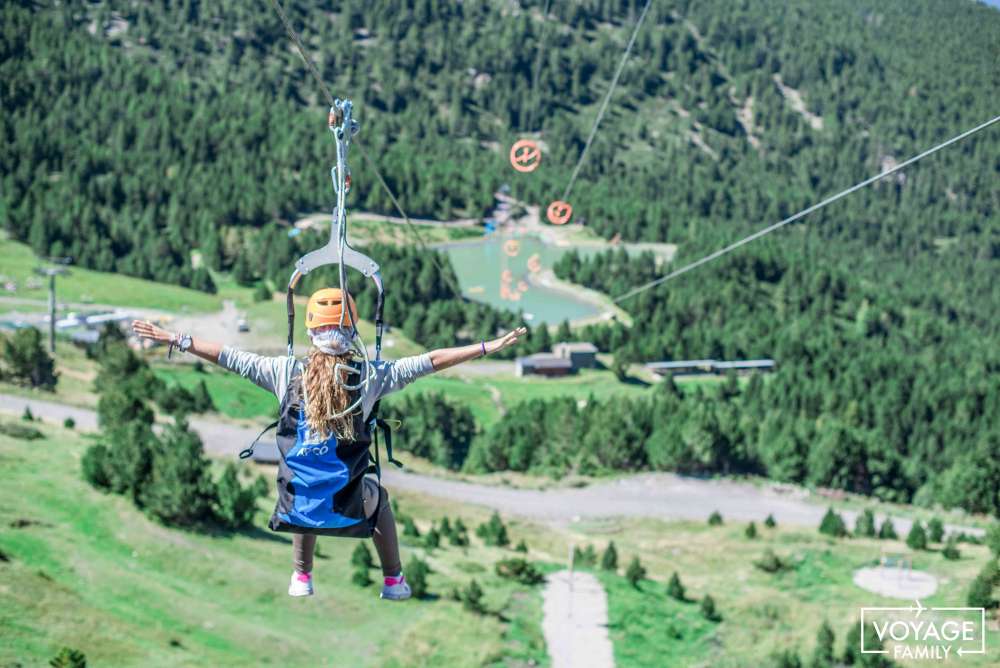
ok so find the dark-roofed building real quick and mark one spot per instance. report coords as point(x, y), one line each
point(583, 355)
point(544, 364)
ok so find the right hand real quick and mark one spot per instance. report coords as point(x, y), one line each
point(147, 330)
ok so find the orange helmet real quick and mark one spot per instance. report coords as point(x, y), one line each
point(325, 307)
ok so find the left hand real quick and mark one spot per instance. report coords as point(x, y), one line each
point(507, 340)
point(147, 330)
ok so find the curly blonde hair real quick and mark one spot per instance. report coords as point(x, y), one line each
point(326, 397)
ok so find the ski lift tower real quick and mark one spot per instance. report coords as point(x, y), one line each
point(53, 271)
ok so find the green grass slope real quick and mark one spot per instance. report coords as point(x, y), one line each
point(86, 570)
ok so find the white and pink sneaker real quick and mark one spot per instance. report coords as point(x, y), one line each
point(301, 584)
point(395, 589)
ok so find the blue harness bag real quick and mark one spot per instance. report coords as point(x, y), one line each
point(321, 479)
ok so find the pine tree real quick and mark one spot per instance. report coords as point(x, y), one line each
point(635, 573)
point(917, 538)
point(521, 546)
point(432, 539)
point(950, 550)
point(410, 527)
point(935, 530)
point(769, 522)
point(361, 557)
point(472, 598)
point(708, 610)
point(887, 530)
point(751, 531)
point(69, 658)
point(235, 505)
point(416, 575)
point(609, 560)
point(823, 655)
point(715, 519)
point(833, 524)
point(864, 525)
point(361, 577)
point(675, 589)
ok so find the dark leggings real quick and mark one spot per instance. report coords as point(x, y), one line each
point(386, 542)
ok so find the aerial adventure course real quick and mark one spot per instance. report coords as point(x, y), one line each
point(614, 332)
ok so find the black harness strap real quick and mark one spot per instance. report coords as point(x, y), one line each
point(247, 452)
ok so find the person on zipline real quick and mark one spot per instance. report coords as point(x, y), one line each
point(324, 455)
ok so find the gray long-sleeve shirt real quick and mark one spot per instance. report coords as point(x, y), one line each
point(274, 374)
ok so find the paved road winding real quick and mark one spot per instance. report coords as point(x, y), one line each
point(658, 495)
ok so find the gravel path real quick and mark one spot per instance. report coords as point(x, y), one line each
point(658, 495)
point(575, 621)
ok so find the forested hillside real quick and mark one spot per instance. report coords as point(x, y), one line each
point(137, 133)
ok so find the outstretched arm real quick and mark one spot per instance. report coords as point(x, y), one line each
point(207, 350)
point(444, 358)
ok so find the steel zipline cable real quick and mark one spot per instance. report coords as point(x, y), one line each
point(311, 66)
point(815, 207)
point(604, 104)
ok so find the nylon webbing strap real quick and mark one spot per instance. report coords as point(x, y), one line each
point(247, 452)
point(290, 306)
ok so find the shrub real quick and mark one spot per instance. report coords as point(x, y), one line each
point(609, 560)
point(432, 539)
point(675, 589)
point(981, 590)
point(852, 649)
point(833, 524)
point(864, 525)
point(887, 531)
point(27, 415)
point(69, 423)
point(751, 531)
point(410, 527)
point(715, 519)
point(179, 491)
point(262, 293)
point(202, 399)
point(770, 562)
point(416, 575)
point(770, 523)
point(786, 658)
point(493, 532)
point(20, 431)
point(459, 534)
point(25, 361)
point(361, 577)
point(69, 658)
point(950, 550)
point(235, 505)
point(993, 538)
point(917, 538)
point(519, 570)
point(935, 530)
point(261, 486)
point(823, 655)
point(472, 598)
point(635, 573)
point(93, 465)
point(361, 556)
point(708, 610)
point(177, 401)
point(585, 558)
point(521, 546)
